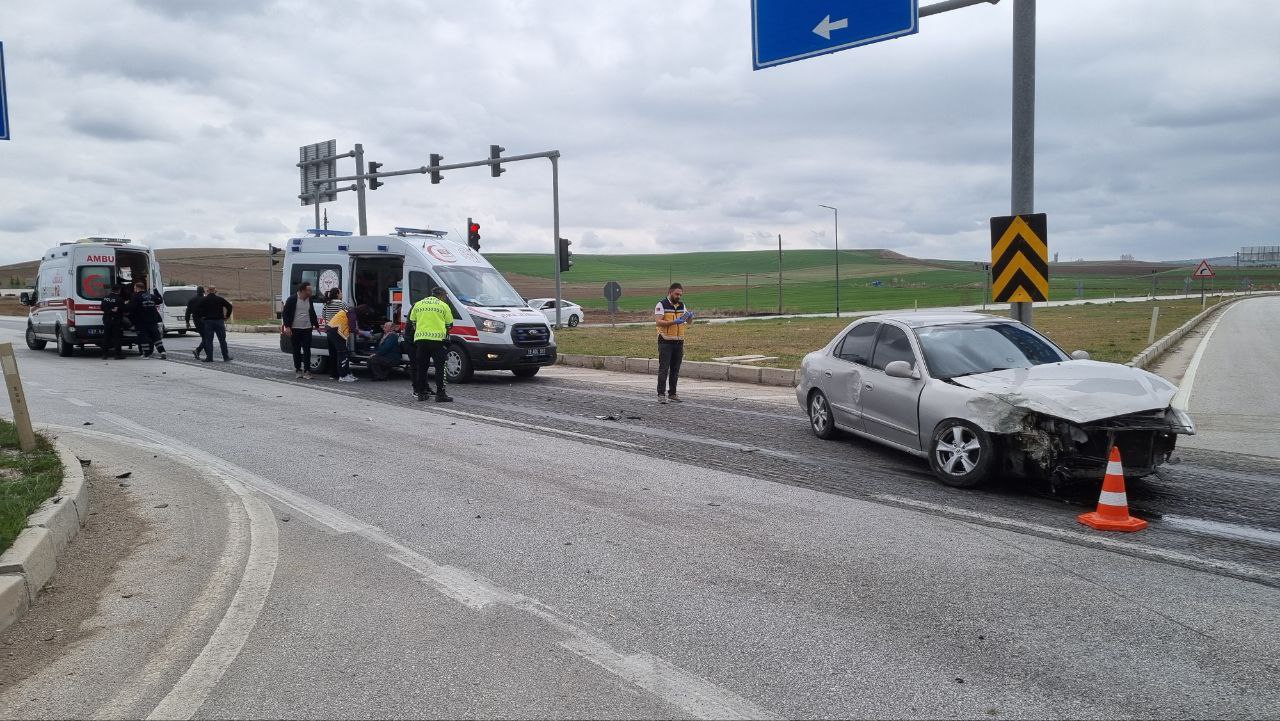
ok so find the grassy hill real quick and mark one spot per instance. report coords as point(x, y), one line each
point(731, 282)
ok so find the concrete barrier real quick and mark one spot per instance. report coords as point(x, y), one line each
point(614, 362)
point(705, 370)
point(27, 565)
point(32, 556)
point(778, 377)
point(640, 365)
point(744, 374)
point(14, 600)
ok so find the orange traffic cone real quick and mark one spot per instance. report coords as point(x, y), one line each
point(1113, 504)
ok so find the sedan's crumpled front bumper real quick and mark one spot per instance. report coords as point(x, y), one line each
point(1051, 447)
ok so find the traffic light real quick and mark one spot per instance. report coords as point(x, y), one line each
point(435, 161)
point(564, 255)
point(272, 251)
point(495, 152)
point(374, 183)
point(473, 235)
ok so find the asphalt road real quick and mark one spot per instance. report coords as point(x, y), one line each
point(521, 552)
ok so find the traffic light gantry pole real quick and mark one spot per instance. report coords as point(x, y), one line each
point(495, 162)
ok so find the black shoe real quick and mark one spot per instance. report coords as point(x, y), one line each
point(444, 399)
point(227, 359)
point(196, 353)
point(207, 360)
point(119, 357)
point(422, 397)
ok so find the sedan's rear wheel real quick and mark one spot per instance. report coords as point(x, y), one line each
point(573, 321)
point(820, 419)
point(963, 455)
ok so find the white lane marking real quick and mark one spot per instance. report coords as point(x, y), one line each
point(1081, 539)
point(531, 426)
point(1224, 530)
point(53, 392)
point(1182, 399)
point(696, 696)
point(34, 384)
point(78, 402)
point(254, 585)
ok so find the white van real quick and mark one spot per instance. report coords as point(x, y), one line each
point(176, 298)
point(73, 279)
point(383, 276)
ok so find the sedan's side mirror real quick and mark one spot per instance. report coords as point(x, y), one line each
point(1080, 355)
point(900, 369)
point(24, 298)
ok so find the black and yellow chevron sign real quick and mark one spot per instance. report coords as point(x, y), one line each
point(1020, 259)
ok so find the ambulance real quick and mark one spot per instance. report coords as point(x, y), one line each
point(73, 279)
point(384, 275)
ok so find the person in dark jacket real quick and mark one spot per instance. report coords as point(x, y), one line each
point(216, 310)
point(388, 355)
point(195, 317)
point(112, 323)
point(144, 311)
point(298, 320)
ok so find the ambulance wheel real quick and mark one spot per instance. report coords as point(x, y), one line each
point(319, 364)
point(457, 365)
point(65, 349)
point(527, 372)
point(33, 342)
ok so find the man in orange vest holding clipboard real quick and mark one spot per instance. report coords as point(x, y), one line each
point(672, 318)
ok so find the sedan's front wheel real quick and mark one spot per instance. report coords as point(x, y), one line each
point(820, 419)
point(963, 455)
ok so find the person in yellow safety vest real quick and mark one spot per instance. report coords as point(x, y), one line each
point(432, 318)
point(672, 318)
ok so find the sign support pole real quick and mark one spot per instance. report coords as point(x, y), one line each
point(555, 221)
point(779, 274)
point(17, 398)
point(1024, 123)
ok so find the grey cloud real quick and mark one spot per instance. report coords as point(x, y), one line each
point(114, 128)
point(261, 225)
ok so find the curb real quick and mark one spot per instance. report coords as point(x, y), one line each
point(782, 377)
point(1153, 352)
point(253, 329)
point(28, 565)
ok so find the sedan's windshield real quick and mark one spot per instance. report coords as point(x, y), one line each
point(478, 286)
point(965, 349)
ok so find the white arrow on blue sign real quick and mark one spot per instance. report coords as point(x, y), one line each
point(784, 31)
point(4, 101)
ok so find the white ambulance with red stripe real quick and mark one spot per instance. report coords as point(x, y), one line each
point(384, 275)
point(73, 279)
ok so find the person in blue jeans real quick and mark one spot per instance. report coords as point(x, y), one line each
point(216, 310)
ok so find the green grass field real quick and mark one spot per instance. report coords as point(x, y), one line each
point(747, 281)
point(1110, 332)
point(26, 480)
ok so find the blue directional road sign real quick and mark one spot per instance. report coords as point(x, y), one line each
point(4, 101)
point(788, 30)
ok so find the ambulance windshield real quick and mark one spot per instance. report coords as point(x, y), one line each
point(479, 286)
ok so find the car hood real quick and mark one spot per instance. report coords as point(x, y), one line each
point(1079, 391)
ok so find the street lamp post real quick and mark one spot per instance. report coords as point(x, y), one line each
point(836, 211)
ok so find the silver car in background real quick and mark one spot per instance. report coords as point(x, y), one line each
point(981, 396)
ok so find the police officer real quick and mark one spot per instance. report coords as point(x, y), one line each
point(144, 311)
point(112, 323)
point(432, 319)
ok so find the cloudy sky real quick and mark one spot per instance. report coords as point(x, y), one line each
point(177, 123)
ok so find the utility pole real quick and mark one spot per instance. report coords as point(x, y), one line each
point(1024, 123)
point(746, 292)
point(779, 273)
point(360, 201)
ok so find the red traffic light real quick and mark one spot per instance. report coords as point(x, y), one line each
point(475, 227)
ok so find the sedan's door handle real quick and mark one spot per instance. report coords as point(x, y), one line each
point(827, 374)
point(868, 386)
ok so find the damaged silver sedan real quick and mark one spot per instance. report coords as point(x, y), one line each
point(981, 396)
